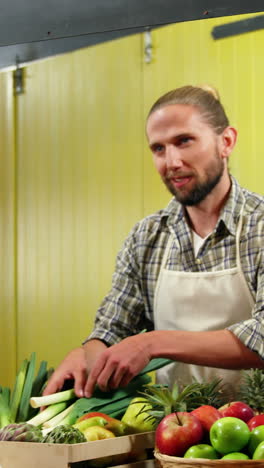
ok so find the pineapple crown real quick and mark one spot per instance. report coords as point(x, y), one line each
point(164, 401)
point(251, 390)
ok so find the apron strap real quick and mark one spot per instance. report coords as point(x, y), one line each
point(167, 250)
point(238, 259)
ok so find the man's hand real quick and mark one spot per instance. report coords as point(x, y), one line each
point(117, 365)
point(74, 366)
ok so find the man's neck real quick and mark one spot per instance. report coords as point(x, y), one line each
point(204, 217)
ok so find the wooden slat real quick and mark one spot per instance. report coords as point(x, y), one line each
point(35, 455)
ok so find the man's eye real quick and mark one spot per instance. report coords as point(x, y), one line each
point(157, 149)
point(184, 140)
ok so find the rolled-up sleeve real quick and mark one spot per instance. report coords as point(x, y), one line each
point(121, 313)
point(251, 331)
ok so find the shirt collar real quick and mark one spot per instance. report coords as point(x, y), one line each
point(229, 215)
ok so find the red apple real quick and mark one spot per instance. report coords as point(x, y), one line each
point(176, 432)
point(237, 409)
point(207, 415)
point(256, 421)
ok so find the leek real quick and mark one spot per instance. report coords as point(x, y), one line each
point(155, 364)
point(18, 389)
point(47, 413)
point(46, 400)
point(40, 379)
point(107, 402)
point(5, 414)
point(46, 430)
point(23, 410)
point(53, 422)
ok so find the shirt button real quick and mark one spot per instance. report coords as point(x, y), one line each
point(198, 261)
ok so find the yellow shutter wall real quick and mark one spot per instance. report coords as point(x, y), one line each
point(7, 233)
point(79, 189)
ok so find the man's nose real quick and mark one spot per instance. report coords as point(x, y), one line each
point(173, 157)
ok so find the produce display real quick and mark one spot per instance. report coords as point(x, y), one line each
point(67, 418)
point(232, 431)
point(192, 421)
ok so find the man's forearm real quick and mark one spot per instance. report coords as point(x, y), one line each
point(220, 348)
point(93, 349)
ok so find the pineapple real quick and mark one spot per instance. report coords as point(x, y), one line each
point(164, 401)
point(252, 389)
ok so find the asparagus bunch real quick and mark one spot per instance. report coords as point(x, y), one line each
point(21, 432)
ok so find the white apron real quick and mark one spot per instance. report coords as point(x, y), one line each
point(200, 301)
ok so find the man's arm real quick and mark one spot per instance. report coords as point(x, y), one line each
point(219, 348)
point(117, 365)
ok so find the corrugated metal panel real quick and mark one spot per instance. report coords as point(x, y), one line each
point(80, 189)
point(28, 20)
point(7, 233)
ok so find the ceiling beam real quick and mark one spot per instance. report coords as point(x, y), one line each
point(234, 28)
point(26, 21)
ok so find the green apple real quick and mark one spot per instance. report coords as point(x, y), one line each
point(259, 452)
point(256, 436)
point(201, 451)
point(229, 435)
point(235, 456)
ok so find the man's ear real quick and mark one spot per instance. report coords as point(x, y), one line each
point(228, 141)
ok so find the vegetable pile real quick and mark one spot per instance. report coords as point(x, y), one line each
point(66, 418)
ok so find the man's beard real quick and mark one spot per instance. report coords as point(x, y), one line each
point(200, 191)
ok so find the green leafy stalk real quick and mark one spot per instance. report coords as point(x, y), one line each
point(48, 375)
point(26, 393)
point(37, 386)
point(5, 415)
point(40, 379)
point(5, 392)
point(18, 389)
point(47, 413)
point(155, 364)
point(37, 402)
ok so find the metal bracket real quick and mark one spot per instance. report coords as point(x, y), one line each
point(18, 79)
point(148, 46)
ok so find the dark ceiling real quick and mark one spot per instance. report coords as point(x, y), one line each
point(32, 29)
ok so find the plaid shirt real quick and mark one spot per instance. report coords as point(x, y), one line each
point(128, 308)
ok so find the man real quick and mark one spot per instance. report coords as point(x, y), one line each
point(192, 274)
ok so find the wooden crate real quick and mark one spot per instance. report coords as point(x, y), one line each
point(36, 455)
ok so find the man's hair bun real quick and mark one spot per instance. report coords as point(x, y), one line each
point(211, 90)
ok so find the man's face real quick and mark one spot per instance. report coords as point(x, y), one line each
point(186, 152)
